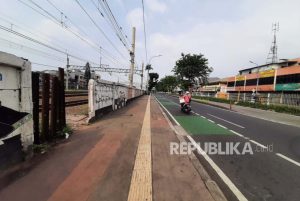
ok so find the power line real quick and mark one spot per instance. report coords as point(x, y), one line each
point(40, 43)
point(111, 23)
point(96, 25)
point(47, 65)
point(145, 35)
point(112, 20)
point(33, 50)
point(56, 21)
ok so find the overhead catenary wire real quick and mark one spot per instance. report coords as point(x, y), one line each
point(100, 30)
point(33, 50)
point(107, 55)
point(111, 20)
point(41, 43)
point(47, 44)
point(145, 35)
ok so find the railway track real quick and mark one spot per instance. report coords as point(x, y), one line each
point(71, 99)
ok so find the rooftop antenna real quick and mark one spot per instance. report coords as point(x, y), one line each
point(272, 56)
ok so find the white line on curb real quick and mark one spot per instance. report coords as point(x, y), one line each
point(288, 159)
point(257, 143)
point(222, 175)
point(167, 112)
point(222, 126)
point(211, 121)
point(226, 121)
point(237, 134)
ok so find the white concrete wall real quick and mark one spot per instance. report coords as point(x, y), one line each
point(104, 94)
point(15, 93)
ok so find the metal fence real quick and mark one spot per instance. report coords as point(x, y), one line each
point(275, 98)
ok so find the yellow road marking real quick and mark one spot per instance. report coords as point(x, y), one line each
point(141, 180)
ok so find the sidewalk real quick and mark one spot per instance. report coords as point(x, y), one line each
point(109, 159)
point(261, 114)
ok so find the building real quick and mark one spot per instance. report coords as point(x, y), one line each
point(275, 83)
point(76, 78)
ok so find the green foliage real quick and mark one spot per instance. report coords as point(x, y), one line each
point(148, 67)
point(189, 67)
point(276, 108)
point(153, 77)
point(168, 83)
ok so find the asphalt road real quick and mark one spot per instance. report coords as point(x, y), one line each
point(272, 173)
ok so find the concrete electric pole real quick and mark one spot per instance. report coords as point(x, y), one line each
point(67, 73)
point(142, 75)
point(132, 55)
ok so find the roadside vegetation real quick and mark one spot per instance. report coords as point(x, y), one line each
point(189, 70)
point(276, 108)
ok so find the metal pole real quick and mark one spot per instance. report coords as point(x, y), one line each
point(67, 73)
point(142, 76)
point(132, 54)
point(35, 111)
point(45, 106)
point(53, 117)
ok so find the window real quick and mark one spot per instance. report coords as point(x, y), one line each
point(284, 79)
point(251, 82)
point(240, 83)
point(266, 80)
point(230, 84)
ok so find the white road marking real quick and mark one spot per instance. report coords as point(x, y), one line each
point(257, 143)
point(221, 174)
point(288, 159)
point(168, 112)
point(237, 134)
point(222, 126)
point(211, 121)
point(203, 117)
point(226, 121)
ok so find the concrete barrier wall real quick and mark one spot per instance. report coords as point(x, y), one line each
point(15, 101)
point(105, 95)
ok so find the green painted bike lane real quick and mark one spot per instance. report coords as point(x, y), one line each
point(193, 124)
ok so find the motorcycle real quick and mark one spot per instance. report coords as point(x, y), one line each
point(186, 108)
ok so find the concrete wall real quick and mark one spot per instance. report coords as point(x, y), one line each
point(109, 95)
point(15, 94)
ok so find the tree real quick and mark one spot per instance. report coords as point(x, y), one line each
point(167, 84)
point(191, 67)
point(153, 77)
point(87, 73)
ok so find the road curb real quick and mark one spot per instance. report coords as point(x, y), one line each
point(210, 184)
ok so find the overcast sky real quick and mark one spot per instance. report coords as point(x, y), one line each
point(228, 32)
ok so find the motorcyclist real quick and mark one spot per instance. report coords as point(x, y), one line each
point(181, 98)
point(187, 97)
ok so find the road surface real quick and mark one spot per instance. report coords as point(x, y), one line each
point(272, 172)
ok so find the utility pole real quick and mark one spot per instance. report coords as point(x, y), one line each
point(67, 73)
point(142, 76)
point(132, 55)
point(100, 56)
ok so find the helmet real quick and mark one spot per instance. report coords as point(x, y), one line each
point(187, 92)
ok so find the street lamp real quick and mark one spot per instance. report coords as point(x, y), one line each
point(148, 67)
